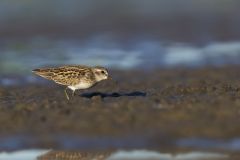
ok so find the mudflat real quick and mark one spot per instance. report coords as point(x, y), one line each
point(172, 103)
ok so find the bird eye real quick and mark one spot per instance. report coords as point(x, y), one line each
point(102, 72)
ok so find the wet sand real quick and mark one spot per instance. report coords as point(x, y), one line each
point(162, 105)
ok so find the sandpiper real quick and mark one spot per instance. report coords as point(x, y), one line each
point(74, 76)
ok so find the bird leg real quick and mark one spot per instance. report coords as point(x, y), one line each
point(66, 94)
point(73, 93)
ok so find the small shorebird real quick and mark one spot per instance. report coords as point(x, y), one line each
point(74, 76)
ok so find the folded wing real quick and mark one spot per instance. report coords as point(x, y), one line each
point(66, 75)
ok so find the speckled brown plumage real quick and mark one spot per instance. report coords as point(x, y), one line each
point(67, 75)
point(74, 76)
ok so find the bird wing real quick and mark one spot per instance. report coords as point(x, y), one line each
point(66, 75)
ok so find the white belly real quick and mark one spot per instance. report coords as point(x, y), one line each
point(81, 86)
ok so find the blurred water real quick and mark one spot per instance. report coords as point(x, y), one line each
point(232, 144)
point(121, 155)
point(21, 57)
point(147, 155)
point(132, 147)
point(70, 142)
point(22, 154)
point(118, 34)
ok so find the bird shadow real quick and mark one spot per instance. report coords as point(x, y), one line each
point(114, 94)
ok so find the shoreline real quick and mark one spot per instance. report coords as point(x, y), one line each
point(174, 104)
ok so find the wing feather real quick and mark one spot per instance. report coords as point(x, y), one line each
point(66, 75)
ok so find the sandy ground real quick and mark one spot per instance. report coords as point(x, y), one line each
point(170, 103)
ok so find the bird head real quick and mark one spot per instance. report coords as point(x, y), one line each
point(100, 73)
